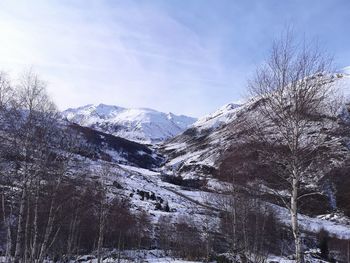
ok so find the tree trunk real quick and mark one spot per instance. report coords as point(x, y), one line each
point(50, 225)
point(72, 235)
point(26, 231)
point(35, 226)
point(294, 219)
point(234, 214)
point(19, 237)
point(8, 231)
point(101, 232)
point(119, 247)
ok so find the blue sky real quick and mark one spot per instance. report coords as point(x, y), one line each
point(184, 56)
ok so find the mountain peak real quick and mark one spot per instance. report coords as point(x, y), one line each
point(137, 124)
point(218, 117)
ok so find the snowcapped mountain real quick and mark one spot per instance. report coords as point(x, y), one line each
point(136, 124)
point(221, 116)
point(207, 144)
point(196, 151)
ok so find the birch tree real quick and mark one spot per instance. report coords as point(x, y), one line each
point(103, 207)
point(296, 108)
point(30, 139)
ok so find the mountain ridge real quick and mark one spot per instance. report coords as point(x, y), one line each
point(141, 125)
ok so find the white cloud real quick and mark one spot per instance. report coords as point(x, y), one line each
point(123, 54)
point(178, 56)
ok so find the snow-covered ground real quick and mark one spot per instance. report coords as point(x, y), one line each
point(221, 116)
point(345, 82)
point(315, 224)
point(127, 256)
point(197, 204)
point(141, 256)
point(157, 256)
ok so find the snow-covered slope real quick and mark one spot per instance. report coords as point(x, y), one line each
point(345, 83)
point(136, 124)
point(206, 141)
point(196, 151)
point(217, 118)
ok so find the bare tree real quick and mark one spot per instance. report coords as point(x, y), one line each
point(6, 90)
point(34, 159)
point(104, 174)
point(6, 95)
point(31, 135)
point(296, 108)
point(244, 221)
point(165, 230)
point(49, 204)
point(188, 242)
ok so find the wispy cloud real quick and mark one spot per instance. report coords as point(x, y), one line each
point(186, 59)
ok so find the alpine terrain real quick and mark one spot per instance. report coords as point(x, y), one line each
point(140, 125)
point(267, 180)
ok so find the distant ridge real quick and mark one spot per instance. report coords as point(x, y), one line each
point(142, 125)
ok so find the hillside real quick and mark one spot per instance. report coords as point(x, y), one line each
point(213, 148)
point(210, 136)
